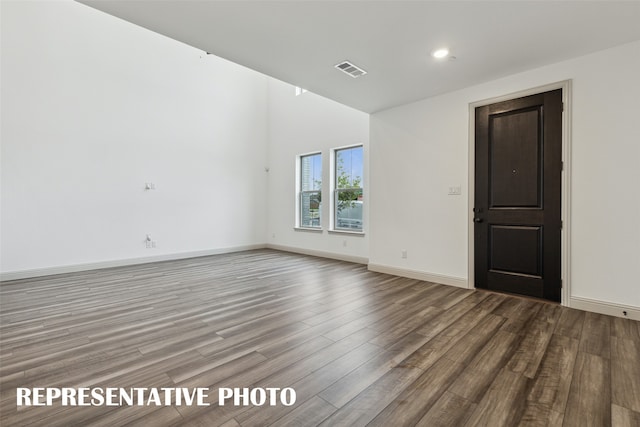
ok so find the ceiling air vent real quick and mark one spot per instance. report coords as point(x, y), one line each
point(350, 69)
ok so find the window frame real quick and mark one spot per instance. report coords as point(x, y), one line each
point(336, 191)
point(301, 193)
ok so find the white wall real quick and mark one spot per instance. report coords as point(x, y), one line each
point(419, 150)
point(304, 124)
point(92, 108)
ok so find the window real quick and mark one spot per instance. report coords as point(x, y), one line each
point(310, 197)
point(348, 189)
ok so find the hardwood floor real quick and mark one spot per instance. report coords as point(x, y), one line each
point(359, 348)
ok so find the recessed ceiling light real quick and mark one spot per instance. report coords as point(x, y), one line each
point(440, 53)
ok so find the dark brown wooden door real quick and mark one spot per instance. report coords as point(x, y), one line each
point(517, 217)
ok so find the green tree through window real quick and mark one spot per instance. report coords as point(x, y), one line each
point(349, 189)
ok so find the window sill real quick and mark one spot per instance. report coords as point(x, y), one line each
point(353, 233)
point(308, 229)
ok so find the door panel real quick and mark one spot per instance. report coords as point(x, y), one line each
point(516, 250)
point(517, 200)
point(515, 163)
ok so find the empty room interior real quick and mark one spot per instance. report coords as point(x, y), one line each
point(336, 213)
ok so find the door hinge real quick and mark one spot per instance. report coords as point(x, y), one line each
point(561, 284)
point(561, 224)
point(561, 166)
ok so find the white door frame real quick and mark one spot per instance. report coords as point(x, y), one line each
point(566, 178)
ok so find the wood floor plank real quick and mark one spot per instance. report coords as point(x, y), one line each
point(249, 339)
point(504, 403)
point(255, 373)
point(164, 415)
point(440, 323)
point(458, 341)
point(391, 333)
point(508, 307)
point(209, 420)
point(523, 314)
point(280, 371)
point(529, 354)
point(360, 410)
point(416, 399)
point(204, 364)
point(625, 328)
point(310, 413)
point(623, 417)
point(473, 339)
point(551, 386)
point(481, 371)
point(540, 415)
point(570, 323)
point(311, 385)
point(452, 299)
point(353, 383)
point(589, 402)
point(385, 311)
point(625, 371)
point(449, 410)
point(596, 334)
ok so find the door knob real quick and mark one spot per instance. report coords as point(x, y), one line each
point(477, 219)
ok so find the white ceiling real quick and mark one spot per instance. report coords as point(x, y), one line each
point(300, 41)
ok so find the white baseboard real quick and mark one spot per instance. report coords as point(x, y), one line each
point(602, 307)
point(421, 275)
point(321, 254)
point(26, 274)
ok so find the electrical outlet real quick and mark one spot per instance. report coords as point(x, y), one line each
point(404, 253)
